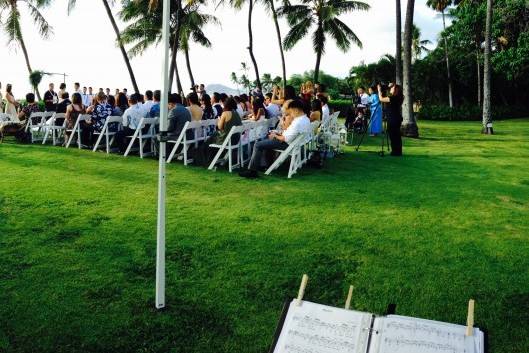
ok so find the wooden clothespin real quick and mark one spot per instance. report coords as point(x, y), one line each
point(302, 287)
point(470, 318)
point(349, 297)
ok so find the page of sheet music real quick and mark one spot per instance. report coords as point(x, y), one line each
point(401, 334)
point(316, 328)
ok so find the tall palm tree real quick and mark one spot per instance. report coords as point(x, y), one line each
point(487, 73)
point(418, 45)
point(441, 6)
point(323, 14)
point(271, 7)
point(71, 5)
point(11, 24)
point(398, 53)
point(409, 125)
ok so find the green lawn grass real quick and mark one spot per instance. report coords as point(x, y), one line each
point(447, 222)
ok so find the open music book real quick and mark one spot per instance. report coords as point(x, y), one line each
point(316, 328)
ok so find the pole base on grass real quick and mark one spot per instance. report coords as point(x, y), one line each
point(487, 129)
point(410, 130)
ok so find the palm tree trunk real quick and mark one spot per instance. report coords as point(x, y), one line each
point(178, 82)
point(278, 32)
point(318, 54)
point(398, 54)
point(188, 63)
point(26, 56)
point(409, 125)
point(478, 65)
point(450, 96)
point(487, 111)
point(121, 47)
point(250, 44)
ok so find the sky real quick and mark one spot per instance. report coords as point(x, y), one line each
point(83, 47)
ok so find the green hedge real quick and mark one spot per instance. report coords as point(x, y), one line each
point(469, 112)
point(340, 105)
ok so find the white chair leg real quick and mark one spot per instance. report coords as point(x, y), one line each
point(129, 147)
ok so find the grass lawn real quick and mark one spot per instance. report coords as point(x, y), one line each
point(448, 222)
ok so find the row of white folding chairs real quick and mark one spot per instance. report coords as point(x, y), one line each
point(200, 131)
point(145, 132)
point(36, 125)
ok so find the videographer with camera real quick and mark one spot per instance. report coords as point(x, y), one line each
point(395, 100)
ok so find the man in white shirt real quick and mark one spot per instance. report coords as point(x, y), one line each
point(90, 96)
point(131, 119)
point(300, 125)
point(272, 108)
point(363, 98)
point(148, 97)
point(325, 110)
point(86, 99)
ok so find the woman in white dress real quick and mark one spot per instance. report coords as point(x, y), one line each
point(12, 104)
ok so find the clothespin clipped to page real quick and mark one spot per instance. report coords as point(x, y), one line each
point(470, 318)
point(349, 297)
point(302, 287)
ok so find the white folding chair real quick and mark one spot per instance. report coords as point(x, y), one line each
point(186, 142)
point(294, 151)
point(57, 131)
point(76, 130)
point(149, 135)
point(228, 147)
point(36, 125)
point(109, 135)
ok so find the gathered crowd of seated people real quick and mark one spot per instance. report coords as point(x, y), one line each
point(295, 111)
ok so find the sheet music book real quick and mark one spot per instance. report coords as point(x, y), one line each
point(316, 328)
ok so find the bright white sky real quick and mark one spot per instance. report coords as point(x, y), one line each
point(83, 46)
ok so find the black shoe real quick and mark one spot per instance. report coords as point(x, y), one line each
point(249, 173)
point(396, 154)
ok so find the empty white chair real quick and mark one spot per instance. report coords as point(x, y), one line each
point(56, 130)
point(111, 123)
point(227, 148)
point(144, 137)
point(76, 130)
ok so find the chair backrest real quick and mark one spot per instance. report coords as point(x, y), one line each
point(114, 119)
point(58, 116)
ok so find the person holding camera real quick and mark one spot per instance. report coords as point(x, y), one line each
point(395, 100)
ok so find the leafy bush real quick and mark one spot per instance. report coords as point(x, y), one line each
point(340, 105)
point(469, 112)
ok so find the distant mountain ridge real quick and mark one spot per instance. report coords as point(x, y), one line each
point(216, 87)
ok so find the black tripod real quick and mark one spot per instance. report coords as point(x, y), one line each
point(385, 137)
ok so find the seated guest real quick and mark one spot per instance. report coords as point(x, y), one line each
point(272, 108)
point(148, 102)
point(122, 102)
point(31, 107)
point(116, 111)
point(194, 106)
point(300, 125)
point(229, 118)
point(178, 116)
point(283, 98)
point(99, 112)
point(207, 108)
point(155, 109)
point(245, 103)
point(240, 106)
point(131, 120)
point(315, 110)
point(258, 110)
point(65, 102)
point(73, 111)
point(217, 105)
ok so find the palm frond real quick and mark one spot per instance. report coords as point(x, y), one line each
point(296, 33)
point(318, 40)
point(45, 30)
point(341, 7)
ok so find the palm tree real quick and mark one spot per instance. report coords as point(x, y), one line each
point(398, 54)
point(71, 5)
point(441, 6)
point(323, 14)
point(409, 125)
point(13, 30)
point(418, 45)
point(487, 111)
point(271, 7)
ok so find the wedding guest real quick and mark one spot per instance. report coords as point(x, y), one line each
point(259, 111)
point(116, 111)
point(99, 113)
point(131, 120)
point(85, 97)
point(178, 116)
point(65, 102)
point(217, 104)
point(107, 92)
point(62, 89)
point(50, 99)
point(148, 102)
point(90, 98)
point(325, 110)
point(31, 107)
point(77, 88)
point(375, 107)
point(155, 109)
point(122, 102)
point(315, 110)
point(72, 113)
point(194, 106)
point(395, 100)
point(207, 108)
point(272, 108)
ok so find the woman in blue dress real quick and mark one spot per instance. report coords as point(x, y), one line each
point(375, 125)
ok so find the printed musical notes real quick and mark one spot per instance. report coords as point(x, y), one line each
point(315, 328)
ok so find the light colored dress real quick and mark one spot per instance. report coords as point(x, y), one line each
point(375, 126)
point(10, 107)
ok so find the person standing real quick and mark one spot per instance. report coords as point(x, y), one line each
point(51, 99)
point(77, 88)
point(375, 107)
point(12, 104)
point(62, 90)
point(395, 100)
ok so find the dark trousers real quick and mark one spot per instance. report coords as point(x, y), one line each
point(121, 138)
point(394, 136)
point(262, 147)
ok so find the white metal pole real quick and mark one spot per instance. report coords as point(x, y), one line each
point(160, 236)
